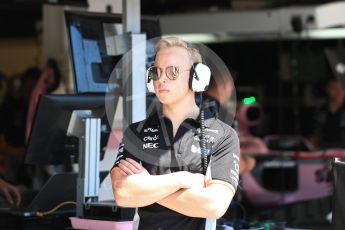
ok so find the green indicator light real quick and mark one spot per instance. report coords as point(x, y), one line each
point(248, 100)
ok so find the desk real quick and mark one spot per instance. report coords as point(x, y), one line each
point(16, 222)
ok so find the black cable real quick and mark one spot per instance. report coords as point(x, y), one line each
point(202, 137)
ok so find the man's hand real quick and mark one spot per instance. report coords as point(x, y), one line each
point(129, 167)
point(10, 193)
point(190, 180)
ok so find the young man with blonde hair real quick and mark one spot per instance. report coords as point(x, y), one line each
point(159, 167)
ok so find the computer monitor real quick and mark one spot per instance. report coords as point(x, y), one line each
point(48, 143)
point(89, 36)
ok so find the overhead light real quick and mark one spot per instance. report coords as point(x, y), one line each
point(318, 34)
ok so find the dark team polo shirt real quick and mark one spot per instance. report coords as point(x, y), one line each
point(151, 142)
point(330, 127)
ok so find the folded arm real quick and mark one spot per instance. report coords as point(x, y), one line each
point(133, 186)
point(211, 201)
point(183, 192)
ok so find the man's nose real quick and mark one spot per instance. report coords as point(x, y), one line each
point(163, 77)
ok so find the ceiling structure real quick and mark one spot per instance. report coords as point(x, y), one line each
point(18, 18)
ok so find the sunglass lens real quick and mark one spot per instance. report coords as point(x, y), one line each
point(172, 72)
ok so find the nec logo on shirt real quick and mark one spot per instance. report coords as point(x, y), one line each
point(150, 146)
point(150, 137)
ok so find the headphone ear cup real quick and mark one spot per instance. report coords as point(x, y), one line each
point(149, 83)
point(199, 78)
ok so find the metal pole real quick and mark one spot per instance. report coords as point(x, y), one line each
point(134, 103)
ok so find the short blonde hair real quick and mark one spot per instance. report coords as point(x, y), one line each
point(178, 42)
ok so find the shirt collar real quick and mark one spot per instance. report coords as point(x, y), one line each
point(157, 117)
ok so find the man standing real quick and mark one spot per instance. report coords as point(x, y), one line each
point(330, 118)
point(160, 165)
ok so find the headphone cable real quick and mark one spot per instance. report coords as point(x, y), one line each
point(202, 136)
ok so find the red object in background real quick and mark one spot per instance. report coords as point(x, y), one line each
point(115, 138)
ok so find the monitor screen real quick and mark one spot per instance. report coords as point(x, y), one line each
point(90, 35)
point(48, 143)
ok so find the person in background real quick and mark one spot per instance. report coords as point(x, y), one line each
point(12, 126)
point(329, 123)
point(217, 96)
point(3, 87)
point(48, 82)
point(329, 128)
point(3, 93)
point(10, 193)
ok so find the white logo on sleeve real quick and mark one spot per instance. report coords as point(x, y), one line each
point(236, 168)
point(236, 162)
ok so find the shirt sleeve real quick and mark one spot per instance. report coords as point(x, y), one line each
point(226, 158)
point(123, 152)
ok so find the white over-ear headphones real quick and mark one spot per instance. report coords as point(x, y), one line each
point(149, 81)
point(199, 78)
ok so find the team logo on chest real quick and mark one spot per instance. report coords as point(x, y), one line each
point(195, 147)
point(151, 138)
